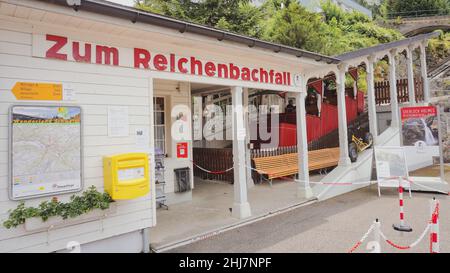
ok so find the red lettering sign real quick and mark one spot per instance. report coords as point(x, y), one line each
point(104, 54)
point(144, 59)
point(417, 112)
point(53, 52)
point(76, 52)
point(141, 57)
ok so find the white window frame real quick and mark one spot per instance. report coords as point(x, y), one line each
point(155, 125)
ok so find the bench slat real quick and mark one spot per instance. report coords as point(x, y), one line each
point(287, 164)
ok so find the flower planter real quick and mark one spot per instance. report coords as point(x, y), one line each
point(36, 223)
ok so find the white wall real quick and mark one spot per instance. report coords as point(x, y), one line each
point(175, 93)
point(96, 87)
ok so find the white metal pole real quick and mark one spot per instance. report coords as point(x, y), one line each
point(377, 236)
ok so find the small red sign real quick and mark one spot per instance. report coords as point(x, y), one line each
point(182, 150)
point(418, 112)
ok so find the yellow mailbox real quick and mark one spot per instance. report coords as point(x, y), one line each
point(126, 176)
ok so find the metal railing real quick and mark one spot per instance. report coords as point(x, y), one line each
point(418, 13)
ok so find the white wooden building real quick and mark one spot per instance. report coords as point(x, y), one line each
point(46, 41)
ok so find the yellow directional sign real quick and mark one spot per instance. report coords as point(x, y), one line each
point(38, 91)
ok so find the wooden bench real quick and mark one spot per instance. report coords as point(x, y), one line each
point(323, 158)
point(276, 166)
point(287, 164)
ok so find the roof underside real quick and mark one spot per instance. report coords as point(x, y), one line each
point(384, 47)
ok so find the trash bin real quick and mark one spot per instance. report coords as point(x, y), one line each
point(182, 179)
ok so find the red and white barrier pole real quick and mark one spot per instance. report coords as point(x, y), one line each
point(434, 231)
point(402, 227)
point(377, 236)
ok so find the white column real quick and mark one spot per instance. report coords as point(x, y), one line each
point(371, 105)
point(410, 70)
point(393, 88)
point(241, 207)
point(424, 72)
point(248, 160)
point(303, 187)
point(344, 159)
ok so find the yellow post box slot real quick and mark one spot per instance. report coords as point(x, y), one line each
point(126, 176)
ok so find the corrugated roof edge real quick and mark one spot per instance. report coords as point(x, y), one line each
point(136, 15)
point(382, 47)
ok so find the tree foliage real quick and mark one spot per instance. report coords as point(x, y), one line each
point(439, 48)
point(281, 21)
point(232, 15)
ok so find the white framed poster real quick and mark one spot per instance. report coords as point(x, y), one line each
point(420, 135)
point(391, 165)
point(45, 150)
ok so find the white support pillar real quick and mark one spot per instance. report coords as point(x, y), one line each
point(241, 207)
point(393, 88)
point(410, 70)
point(248, 160)
point(344, 159)
point(372, 108)
point(303, 186)
point(424, 72)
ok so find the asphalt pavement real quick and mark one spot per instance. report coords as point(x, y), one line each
point(334, 225)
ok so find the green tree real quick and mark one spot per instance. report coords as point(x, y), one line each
point(282, 21)
point(292, 25)
point(233, 15)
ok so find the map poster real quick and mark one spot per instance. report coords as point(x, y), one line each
point(391, 164)
point(45, 150)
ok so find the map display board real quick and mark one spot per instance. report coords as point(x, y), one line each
point(45, 149)
point(391, 164)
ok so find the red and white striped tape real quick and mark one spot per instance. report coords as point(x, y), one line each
point(329, 183)
point(324, 183)
point(363, 238)
point(412, 245)
point(212, 172)
point(432, 227)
